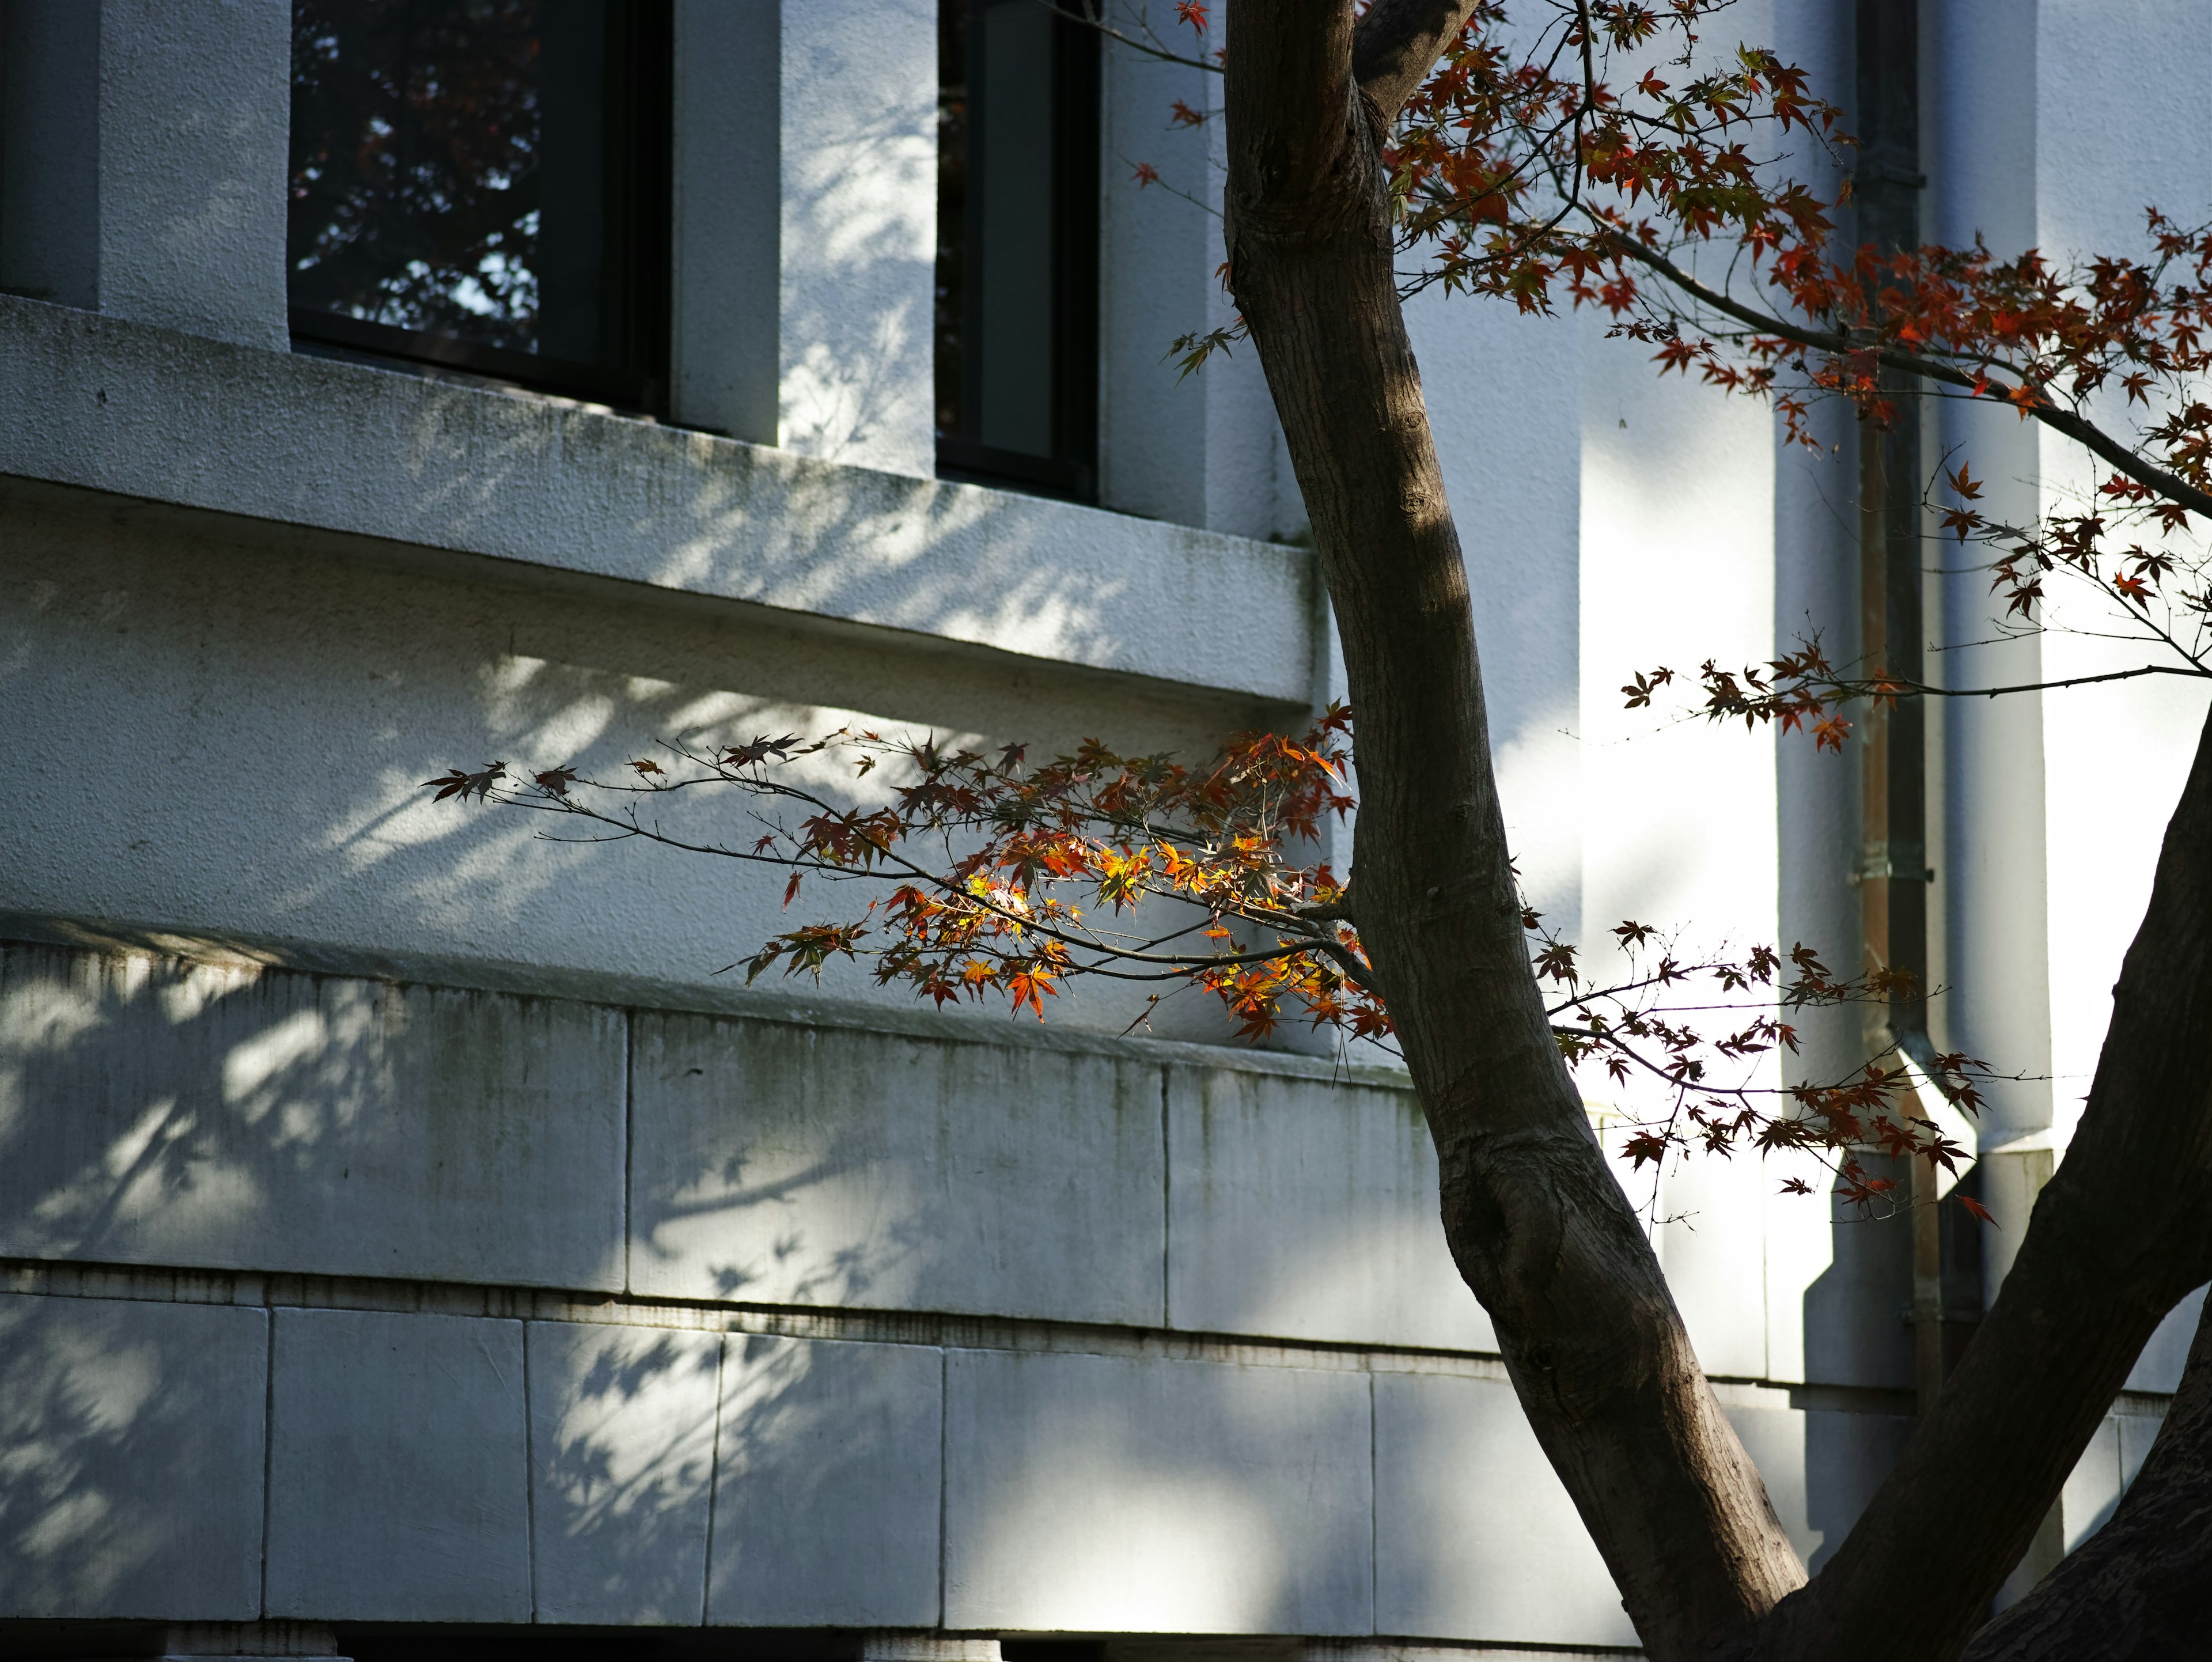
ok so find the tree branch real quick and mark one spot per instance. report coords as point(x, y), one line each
point(1395, 45)
point(2083, 432)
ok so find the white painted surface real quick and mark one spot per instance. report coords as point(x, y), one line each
point(155, 1111)
point(1307, 1210)
point(1115, 1493)
point(217, 658)
point(148, 172)
point(622, 1446)
point(194, 165)
point(340, 447)
point(50, 151)
point(131, 1483)
point(1820, 1468)
point(2116, 87)
point(1503, 395)
point(1475, 1536)
point(1712, 1237)
point(858, 160)
point(2158, 1367)
point(826, 1494)
point(727, 167)
point(396, 1481)
point(788, 1165)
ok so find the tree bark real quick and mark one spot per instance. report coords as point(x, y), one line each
point(2119, 1235)
point(1535, 1220)
point(2139, 1590)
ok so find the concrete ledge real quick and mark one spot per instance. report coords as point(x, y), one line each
point(650, 993)
point(147, 413)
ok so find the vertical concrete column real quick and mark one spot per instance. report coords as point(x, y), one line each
point(1202, 450)
point(251, 1641)
point(727, 189)
point(857, 163)
point(1989, 902)
point(146, 157)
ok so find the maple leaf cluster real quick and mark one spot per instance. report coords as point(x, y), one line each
point(1712, 1092)
point(1602, 155)
point(1006, 880)
point(1003, 881)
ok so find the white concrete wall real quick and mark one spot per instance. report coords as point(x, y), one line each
point(1039, 1332)
point(519, 1300)
point(858, 161)
point(1204, 449)
point(726, 253)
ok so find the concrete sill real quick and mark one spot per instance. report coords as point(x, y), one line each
point(534, 491)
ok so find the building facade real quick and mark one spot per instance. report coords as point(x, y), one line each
point(407, 1239)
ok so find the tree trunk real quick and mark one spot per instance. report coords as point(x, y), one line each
point(2121, 1233)
point(2139, 1589)
point(1535, 1220)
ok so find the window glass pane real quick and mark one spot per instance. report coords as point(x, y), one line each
point(1018, 241)
point(1011, 158)
point(478, 171)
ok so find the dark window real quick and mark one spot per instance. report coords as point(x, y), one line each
point(1018, 247)
point(484, 183)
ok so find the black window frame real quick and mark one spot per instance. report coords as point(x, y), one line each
point(640, 90)
point(1071, 470)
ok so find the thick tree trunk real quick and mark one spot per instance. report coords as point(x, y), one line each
point(1535, 1220)
point(2140, 1590)
point(2118, 1236)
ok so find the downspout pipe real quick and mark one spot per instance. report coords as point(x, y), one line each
point(1893, 873)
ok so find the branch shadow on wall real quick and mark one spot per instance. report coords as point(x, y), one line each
point(223, 1114)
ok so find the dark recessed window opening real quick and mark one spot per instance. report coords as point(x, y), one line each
point(483, 185)
point(1018, 247)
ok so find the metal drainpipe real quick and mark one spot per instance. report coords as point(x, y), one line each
point(1893, 872)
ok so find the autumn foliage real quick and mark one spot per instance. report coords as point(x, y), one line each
point(997, 882)
point(1586, 155)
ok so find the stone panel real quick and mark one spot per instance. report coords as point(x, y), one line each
point(2094, 1487)
point(1117, 1495)
point(130, 1458)
point(2137, 1433)
point(398, 1473)
point(1302, 1209)
point(796, 1164)
point(1820, 1468)
point(1711, 1243)
point(2159, 1368)
point(827, 1488)
point(227, 1115)
point(1836, 1281)
point(1475, 1537)
point(622, 1439)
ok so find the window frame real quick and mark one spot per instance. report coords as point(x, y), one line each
point(1078, 107)
point(639, 82)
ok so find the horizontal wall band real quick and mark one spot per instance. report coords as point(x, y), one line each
point(274, 1291)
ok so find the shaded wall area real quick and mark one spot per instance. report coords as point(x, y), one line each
point(342, 1289)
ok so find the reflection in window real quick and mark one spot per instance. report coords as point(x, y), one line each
point(1017, 245)
point(483, 183)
